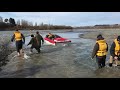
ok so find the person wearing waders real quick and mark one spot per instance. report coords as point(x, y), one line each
point(34, 44)
point(20, 40)
point(39, 39)
point(100, 51)
point(115, 51)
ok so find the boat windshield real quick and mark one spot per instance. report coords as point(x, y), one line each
point(57, 36)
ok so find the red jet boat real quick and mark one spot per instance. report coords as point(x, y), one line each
point(57, 39)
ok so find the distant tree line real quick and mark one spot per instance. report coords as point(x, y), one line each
point(11, 24)
point(24, 24)
point(104, 26)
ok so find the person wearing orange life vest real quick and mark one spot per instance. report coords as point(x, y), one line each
point(20, 40)
point(100, 51)
point(115, 51)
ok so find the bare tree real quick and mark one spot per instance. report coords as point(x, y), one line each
point(35, 23)
point(1, 19)
point(18, 22)
point(24, 23)
point(30, 24)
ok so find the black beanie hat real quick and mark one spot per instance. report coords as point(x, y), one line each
point(118, 38)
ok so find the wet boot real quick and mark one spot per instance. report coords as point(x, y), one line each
point(110, 64)
point(38, 51)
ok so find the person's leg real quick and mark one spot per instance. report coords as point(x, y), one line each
point(20, 47)
point(17, 48)
point(31, 49)
point(103, 61)
point(110, 61)
point(38, 49)
point(98, 61)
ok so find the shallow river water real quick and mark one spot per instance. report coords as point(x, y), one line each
point(71, 60)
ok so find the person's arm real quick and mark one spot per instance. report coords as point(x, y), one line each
point(95, 49)
point(23, 37)
point(12, 38)
point(107, 47)
point(112, 49)
point(42, 39)
point(30, 42)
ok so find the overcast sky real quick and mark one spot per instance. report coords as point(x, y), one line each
point(66, 18)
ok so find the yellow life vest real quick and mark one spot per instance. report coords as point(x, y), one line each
point(102, 48)
point(18, 36)
point(117, 47)
point(115, 40)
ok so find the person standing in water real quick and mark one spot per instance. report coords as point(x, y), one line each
point(34, 44)
point(111, 57)
point(115, 51)
point(100, 51)
point(39, 39)
point(20, 40)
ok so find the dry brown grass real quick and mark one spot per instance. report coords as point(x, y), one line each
point(108, 34)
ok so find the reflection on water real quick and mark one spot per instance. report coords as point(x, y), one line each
point(60, 61)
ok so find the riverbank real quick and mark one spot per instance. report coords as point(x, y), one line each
point(108, 34)
point(5, 48)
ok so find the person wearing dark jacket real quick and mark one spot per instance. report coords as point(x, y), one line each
point(39, 39)
point(100, 51)
point(34, 44)
point(20, 40)
point(115, 51)
point(111, 58)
